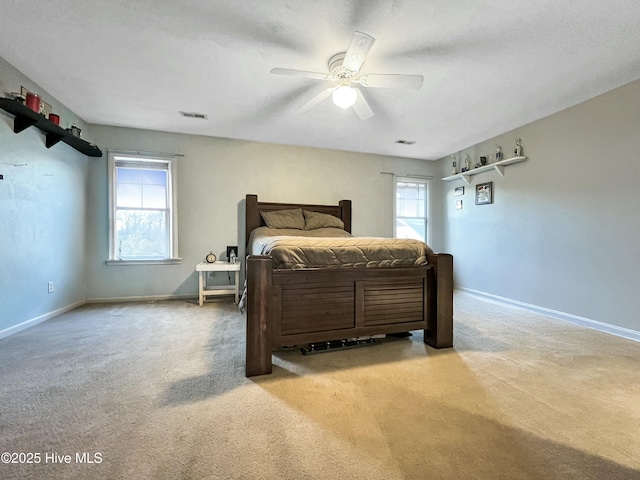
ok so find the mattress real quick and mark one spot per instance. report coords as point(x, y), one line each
point(334, 248)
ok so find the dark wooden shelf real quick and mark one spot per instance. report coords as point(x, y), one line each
point(25, 118)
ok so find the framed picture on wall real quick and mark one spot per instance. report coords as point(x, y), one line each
point(484, 193)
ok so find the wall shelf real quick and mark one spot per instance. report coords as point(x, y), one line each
point(497, 166)
point(25, 118)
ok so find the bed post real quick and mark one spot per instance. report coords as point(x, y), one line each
point(258, 348)
point(345, 214)
point(440, 335)
point(251, 216)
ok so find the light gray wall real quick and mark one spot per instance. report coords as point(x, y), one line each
point(214, 175)
point(42, 217)
point(563, 231)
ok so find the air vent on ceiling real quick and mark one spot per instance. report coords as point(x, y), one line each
point(405, 142)
point(201, 116)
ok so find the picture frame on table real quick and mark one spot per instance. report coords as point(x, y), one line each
point(232, 258)
point(484, 193)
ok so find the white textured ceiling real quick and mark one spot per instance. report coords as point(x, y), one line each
point(489, 66)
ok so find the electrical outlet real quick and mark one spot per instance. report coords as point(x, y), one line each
point(50, 287)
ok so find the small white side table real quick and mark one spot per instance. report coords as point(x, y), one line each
point(207, 290)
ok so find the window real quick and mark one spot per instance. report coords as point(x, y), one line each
point(411, 208)
point(142, 199)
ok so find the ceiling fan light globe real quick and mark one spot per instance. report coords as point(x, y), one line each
point(344, 96)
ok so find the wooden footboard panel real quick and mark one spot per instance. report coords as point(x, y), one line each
point(394, 302)
point(313, 307)
point(292, 307)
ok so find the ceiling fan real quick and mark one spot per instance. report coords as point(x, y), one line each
point(344, 69)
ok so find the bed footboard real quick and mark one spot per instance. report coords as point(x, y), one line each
point(292, 307)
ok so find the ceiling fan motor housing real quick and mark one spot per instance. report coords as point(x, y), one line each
point(336, 68)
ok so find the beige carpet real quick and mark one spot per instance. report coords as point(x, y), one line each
point(158, 391)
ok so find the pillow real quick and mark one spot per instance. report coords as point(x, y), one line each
point(315, 220)
point(284, 218)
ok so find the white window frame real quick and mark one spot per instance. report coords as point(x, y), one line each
point(114, 158)
point(428, 199)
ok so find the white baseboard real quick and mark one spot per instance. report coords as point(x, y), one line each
point(42, 318)
point(143, 298)
point(584, 322)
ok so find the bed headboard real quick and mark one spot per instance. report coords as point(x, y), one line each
point(255, 220)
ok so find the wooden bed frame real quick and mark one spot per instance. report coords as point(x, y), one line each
point(295, 307)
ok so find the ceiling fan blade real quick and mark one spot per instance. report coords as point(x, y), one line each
point(362, 108)
point(299, 73)
point(392, 81)
point(356, 53)
point(317, 99)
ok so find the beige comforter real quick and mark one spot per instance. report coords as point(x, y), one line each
point(334, 248)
